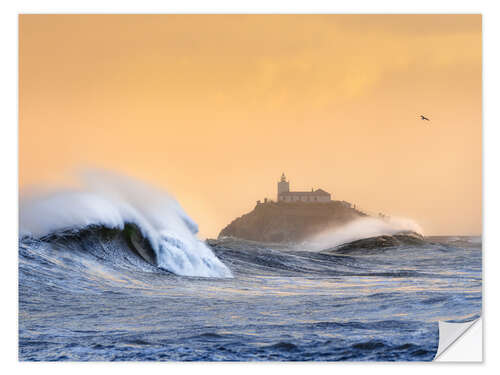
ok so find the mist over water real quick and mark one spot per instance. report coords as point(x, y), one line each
point(359, 229)
point(110, 200)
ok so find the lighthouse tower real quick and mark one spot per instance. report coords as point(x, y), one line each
point(283, 186)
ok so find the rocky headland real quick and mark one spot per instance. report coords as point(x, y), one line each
point(290, 222)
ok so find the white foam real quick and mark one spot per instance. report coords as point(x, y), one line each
point(113, 200)
point(359, 229)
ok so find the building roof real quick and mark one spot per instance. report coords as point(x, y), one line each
point(309, 193)
point(321, 191)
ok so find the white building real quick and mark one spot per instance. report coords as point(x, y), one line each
point(285, 195)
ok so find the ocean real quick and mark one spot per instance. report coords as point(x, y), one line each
point(115, 271)
point(86, 295)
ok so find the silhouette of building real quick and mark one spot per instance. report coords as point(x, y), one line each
point(285, 195)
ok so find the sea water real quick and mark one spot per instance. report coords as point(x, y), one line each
point(114, 271)
point(89, 298)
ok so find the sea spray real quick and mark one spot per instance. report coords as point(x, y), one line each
point(359, 229)
point(111, 200)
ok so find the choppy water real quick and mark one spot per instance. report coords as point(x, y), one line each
point(89, 297)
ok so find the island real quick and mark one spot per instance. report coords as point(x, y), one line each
point(293, 217)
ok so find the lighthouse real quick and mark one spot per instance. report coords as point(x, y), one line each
point(283, 186)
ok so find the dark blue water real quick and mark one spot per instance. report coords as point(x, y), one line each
point(90, 298)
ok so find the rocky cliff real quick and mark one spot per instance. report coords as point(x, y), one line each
point(290, 222)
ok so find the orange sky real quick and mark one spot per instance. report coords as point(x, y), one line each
point(213, 108)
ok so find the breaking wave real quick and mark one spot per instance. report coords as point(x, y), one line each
point(359, 229)
point(157, 227)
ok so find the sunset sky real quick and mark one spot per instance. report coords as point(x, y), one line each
point(213, 108)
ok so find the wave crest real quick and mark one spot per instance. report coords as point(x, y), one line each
point(113, 201)
point(360, 229)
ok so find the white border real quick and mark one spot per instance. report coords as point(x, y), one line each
point(467, 347)
point(8, 147)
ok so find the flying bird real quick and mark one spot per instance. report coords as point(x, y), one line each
point(424, 118)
